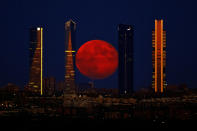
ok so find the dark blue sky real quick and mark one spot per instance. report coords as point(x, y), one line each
point(98, 19)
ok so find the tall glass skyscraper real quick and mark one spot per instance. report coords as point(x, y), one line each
point(125, 70)
point(70, 50)
point(159, 57)
point(35, 60)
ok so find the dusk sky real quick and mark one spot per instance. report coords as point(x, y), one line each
point(98, 19)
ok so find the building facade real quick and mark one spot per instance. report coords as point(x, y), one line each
point(125, 68)
point(35, 84)
point(49, 85)
point(70, 51)
point(159, 57)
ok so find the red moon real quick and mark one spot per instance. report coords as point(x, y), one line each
point(97, 59)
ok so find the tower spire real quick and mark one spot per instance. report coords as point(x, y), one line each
point(70, 53)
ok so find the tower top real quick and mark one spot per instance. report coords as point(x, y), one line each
point(123, 27)
point(69, 23)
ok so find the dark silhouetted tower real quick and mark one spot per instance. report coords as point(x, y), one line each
point(35, 60)
point(159, 57)
point(70, 27)
point(125, 70)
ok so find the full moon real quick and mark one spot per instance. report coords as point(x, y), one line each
point(97, 59)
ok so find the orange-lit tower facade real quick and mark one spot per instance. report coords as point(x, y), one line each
point(70, 27)
point(35, 84)
point(159, 57)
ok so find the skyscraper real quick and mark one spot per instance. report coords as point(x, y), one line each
point(159, 57)
point(35, 60)
point(125, 72)
point(70, 27)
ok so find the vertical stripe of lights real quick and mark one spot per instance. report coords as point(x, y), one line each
point(161, 56)
point(41, 48)
point(156, 55)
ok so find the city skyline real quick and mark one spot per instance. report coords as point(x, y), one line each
point(98, 64)
point(96, 28)
point(125, 68)
point(70, 28)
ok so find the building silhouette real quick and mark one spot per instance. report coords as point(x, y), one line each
point(159, 57)
point(35, 61)
point(49, 85)
point(70, 49)
point(125, 70)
